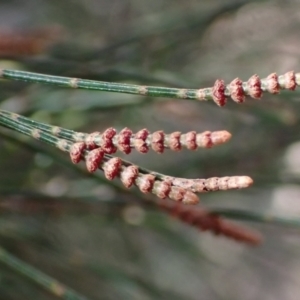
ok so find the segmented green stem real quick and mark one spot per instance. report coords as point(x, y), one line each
point(96, 85)
point(110, 140)
point(38, 134)
point(50, 284)
point(237, 89)
point(54, 130)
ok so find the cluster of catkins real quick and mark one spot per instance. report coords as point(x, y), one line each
point(97, 149)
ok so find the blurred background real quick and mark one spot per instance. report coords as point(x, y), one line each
point(103, 241)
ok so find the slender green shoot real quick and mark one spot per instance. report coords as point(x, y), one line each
point(13, 124)
point(125, 140)
point(48, 283)
point(237, 89)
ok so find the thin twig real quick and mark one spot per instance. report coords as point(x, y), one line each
point(125, 140)
point(50, 284)
point(237, 89)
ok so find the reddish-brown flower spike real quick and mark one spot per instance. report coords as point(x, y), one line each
point(76, 152)
point(203, 220)
point(93, 159)
point(109, 141)
point(130, 174)
point(254, 87)
point(16, 43)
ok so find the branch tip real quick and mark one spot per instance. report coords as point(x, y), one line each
point(220, 137)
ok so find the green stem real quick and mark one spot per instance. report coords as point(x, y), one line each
point(237, 89)
point(47, 282)
point(54, 130)
point(35, 133)
point(69, 82)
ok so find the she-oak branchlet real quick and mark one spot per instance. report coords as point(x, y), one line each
point(96, 148)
